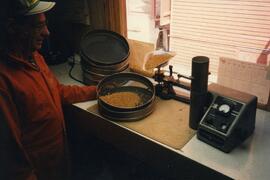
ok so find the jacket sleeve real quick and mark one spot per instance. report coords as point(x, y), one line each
point(73, 94)
point(69, 93)
point(14, 162)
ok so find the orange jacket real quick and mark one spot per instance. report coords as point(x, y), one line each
point(31, 118)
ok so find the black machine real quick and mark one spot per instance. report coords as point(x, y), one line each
point(223, 117)
point(229, 119)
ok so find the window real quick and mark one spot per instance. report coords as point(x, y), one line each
point(237, 29)
point(141, 20)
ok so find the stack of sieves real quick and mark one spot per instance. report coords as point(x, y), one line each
point(103, 53)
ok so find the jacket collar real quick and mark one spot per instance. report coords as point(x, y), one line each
point(21, 61)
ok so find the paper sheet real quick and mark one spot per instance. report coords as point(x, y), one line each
point(168, 124)
point(244, 76)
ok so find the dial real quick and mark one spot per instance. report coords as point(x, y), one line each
point(224, 108)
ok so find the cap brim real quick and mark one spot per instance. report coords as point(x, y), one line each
point(42, 7)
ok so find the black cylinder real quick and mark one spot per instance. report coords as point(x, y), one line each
point(198, 95)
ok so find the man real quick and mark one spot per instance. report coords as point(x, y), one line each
point(32, 129)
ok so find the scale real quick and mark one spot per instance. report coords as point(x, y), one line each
point(223, 117)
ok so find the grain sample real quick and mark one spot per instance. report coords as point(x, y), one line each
point(154, 60)
point(122, 99)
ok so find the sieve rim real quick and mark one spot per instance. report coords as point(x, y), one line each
point(131, 76)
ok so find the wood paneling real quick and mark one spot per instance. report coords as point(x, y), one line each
point(108, 14)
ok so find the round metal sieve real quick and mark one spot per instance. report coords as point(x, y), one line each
point(104, 70)
point(115, 101)
point(103, 47)
point(103, 53)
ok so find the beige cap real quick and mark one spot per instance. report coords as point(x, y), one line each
point(31, 7)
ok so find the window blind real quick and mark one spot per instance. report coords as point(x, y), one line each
point(219, 28)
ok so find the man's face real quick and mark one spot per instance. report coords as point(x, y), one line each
point(36, 31)
point(40, 31)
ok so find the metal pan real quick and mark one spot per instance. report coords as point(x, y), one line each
point(94, 76)
point(126, 82)
point(103, 69)
point(131, 115)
